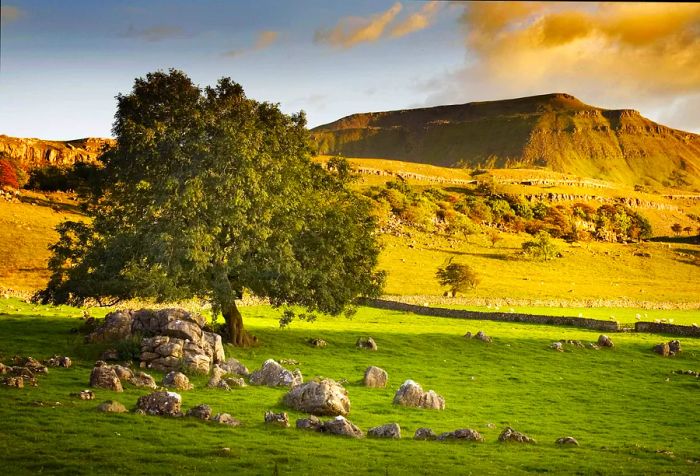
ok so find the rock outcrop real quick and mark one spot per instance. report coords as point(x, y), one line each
point(104, 376)
point(375, 377)
point(319, 397)
point(161, 403)
point(461, 434)
point(35, 153)
point(273, 374)
point(411, 394)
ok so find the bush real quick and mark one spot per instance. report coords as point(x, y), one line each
point(542, 247)
point(8, 175)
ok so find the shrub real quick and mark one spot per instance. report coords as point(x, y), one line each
point(542, 247)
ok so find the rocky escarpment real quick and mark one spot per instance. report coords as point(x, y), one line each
point(35, 153)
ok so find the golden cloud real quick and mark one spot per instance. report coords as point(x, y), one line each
point(420, 20)
point(264, 40)
point(350, 31)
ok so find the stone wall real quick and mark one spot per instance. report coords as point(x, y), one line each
point(661, 328)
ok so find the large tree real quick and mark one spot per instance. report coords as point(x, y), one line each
point(208, 193)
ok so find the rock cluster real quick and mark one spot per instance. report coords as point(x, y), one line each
point(177, 380)
point(319, 397)
point(337, 426)
point(671, 348)
point(58, 361)
point(84, 395)
point(104, 376)
point(22, 372)
point(479, 336)
point(424, 434)
point(316, 342)
point(273, 374)
point(279, 419)
point(203, 412)
point(411, 394)
point(366, 343)
point(461, 434)
point(511, 435)
point(175, 339)
point(226, 419)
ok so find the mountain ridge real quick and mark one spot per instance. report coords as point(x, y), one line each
point(555, 131)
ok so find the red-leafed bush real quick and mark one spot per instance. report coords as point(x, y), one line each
point(8, 176)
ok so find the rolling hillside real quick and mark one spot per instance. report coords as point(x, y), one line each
point(555, 131)
point(33, 153)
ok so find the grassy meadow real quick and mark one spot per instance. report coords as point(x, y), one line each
point(630, 413)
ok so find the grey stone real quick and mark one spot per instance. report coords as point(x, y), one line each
point(605, 341)
point(567, 440)
point(273, 374)
point(340, 426)
point(233, 366)
point(366, 343)
point(112, 406)
point(461, 434)
point(390, 430)
point(424, 434)
point(310, 423)
point(142, 379)
point(105, 377)
point(122, 372)
point(509, 434)
point(411, 394)
point(177, 380)
point(226, 419)
point(161, 403)
point(375, 377)
point(203, 412)
point(319, 397)
point(279, 419)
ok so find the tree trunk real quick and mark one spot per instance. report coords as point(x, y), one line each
point(236, 333)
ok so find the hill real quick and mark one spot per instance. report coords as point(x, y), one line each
point(35, 153)
point(555, 131)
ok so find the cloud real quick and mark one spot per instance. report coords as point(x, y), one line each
point(640, 55)
point(264, 40)
point(350, 31)
point(9, 13)
point(416, 21)
point(155, 33)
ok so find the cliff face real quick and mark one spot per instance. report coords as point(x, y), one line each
point(556, 131)
point(34, 153)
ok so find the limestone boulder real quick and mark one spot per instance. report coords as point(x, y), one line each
point(226, 419)
point(161, 403)
point(411, 394)
point(183, 329)
point(662, 349)
point(112, 406)
point(511, 435)
point(123, 373)
point(340, 426)
point(424, 434)
point(567, 440)
point(390, 430)
point(319, 397)
point(310, 423)
point(375, 377)
point(273, 374)
point(104, 376)
point(116, 326)
point(279, 419)
point(214, 347)
point(465, 434)
point(605, 341)
point(233, 366)
point(674, 346)
point(143, 380)
point(58, 361)
point(177, 380)
point(366, 343)
point(203, 412)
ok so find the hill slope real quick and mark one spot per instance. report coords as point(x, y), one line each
point(556, 131)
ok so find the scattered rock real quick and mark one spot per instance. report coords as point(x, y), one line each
point(575, 343)
point(104, 376)
point(233, 366)
point(662, 349)
point(123, 373)
point(289, 362)
point(340, 426)
point(203, 412)
point(567, 440)
point(483, 337)
point(557, 346)
point(311, 423)
point(31, 364)
point(593, 346)
point(112, 406)
point(468, 335)
point(462, 434)
point(273, 374)
point(510, 434)
point(216, 374)
point(366, 343)
point(177, 380)
point(375, 377)
point(161, 403)
point(390, 430)
point(58, 361)
point(316, 342)
point(280, 419)
point(84, 395)
point(605, 341)
point(142, 379)
point(319, 397)
point(411, 394)
point(424, 434)
point(232, 382)
point(226, 419)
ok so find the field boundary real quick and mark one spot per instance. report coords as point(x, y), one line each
point(582, 322)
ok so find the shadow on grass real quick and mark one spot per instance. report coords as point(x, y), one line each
point(55, 206)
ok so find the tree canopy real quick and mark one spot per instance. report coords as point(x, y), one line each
point(208, 193)
point(457, 277)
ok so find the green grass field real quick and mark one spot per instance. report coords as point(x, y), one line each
point(627, 409)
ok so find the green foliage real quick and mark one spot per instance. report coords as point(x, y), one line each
point(209, 193)
point(617, 222)
point(541, 248)
point(456, 276)
point(79, 177)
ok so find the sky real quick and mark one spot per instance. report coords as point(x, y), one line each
point(63, 62)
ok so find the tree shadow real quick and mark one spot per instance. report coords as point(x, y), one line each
point(55, 206)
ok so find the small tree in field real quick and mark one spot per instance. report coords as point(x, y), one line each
point(688, 230)
point(8, 176)
point(457, 277)
point(542, 247)
point(207, 194)
point(677, 228)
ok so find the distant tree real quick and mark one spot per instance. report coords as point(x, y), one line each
point(209, 193)
point(688, 230)
point(494, 237)
point(542, 247)
point(457, 277)
point(677, 228)
point(8, 175)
